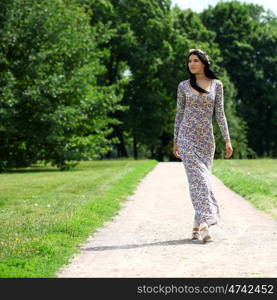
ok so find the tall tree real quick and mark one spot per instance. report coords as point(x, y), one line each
point(151, 41)
point(247, 40)
point(51, 106)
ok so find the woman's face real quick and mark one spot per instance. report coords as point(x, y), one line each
point(195, 64)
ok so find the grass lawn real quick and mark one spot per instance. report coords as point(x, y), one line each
point(46, 213)
point(255, 180)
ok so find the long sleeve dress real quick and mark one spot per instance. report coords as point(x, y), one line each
point(193, 133)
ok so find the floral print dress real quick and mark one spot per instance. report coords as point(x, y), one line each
point(193, 133)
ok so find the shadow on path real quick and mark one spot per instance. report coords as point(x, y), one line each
point(131, 246)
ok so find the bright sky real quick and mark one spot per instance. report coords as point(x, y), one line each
point(199, 5)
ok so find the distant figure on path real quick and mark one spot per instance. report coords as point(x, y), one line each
point(194, 141)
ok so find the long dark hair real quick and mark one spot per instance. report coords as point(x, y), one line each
point(207, 70)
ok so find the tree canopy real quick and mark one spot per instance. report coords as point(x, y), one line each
point(90, 79)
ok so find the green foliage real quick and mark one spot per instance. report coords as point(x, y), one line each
point(154, 42)
point(247, 40)
point(51, 106)
point(237, 126)
point(87, 79)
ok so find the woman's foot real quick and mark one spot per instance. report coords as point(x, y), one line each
point(196, 230)
point(196, 233)
point(205, 233)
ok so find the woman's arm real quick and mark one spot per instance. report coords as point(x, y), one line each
point(180, 109)
point(219, 112)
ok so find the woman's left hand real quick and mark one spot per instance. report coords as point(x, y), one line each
point(229, 149)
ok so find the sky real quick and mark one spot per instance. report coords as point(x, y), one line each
point(199, 5)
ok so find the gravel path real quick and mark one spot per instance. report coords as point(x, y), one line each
point(150, 237)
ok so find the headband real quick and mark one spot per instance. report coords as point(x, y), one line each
point(201, 51)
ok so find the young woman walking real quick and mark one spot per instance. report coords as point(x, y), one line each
point(194, 141)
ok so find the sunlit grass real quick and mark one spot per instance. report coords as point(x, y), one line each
point(46, 213)
point(254, 179)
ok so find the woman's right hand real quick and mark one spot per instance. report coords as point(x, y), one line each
point(176, 152)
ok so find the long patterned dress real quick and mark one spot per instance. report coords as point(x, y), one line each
point(193, 133)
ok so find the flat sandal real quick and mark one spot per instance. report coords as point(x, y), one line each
point(206, 235)
point(196, 234)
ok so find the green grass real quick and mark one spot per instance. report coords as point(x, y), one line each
point(45, 213)
point(254, 179)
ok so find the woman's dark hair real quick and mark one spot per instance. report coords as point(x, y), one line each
point(207, 70)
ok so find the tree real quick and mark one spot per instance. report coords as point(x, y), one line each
point(51, 106)
point(247, 40)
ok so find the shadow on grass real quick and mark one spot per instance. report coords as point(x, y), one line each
point(38, 169)
point(42, 168)
point(80, 166)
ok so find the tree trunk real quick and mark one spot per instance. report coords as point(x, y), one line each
point(135, 147)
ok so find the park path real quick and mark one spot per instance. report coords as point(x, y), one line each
point(150, 236)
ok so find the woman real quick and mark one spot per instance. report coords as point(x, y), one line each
point(194, 141)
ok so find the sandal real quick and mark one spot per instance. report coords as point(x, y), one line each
point(196, 233)
point(205, 234)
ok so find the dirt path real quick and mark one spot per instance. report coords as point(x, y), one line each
point(150, 237)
